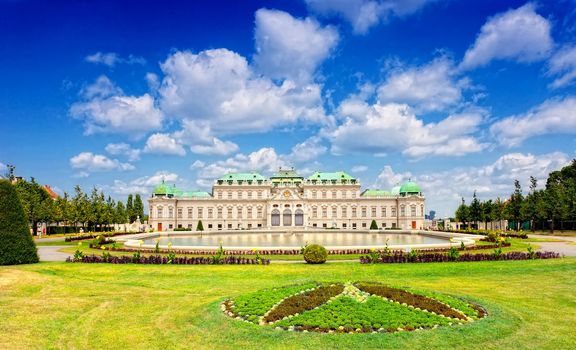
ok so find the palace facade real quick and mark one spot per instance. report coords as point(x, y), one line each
point(252, 201)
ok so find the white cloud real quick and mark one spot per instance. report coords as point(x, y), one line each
point(144, 184)
point(364, 14)
point(394, 127)
point(431, 87)
point(163, 144)
point(105, 109)
point(199, 137)
point(87, 162)
point(554, 116)
point(308, 150)
point(111, 59)
point(563, 65)
point(123, 149)
point(521, 35)
point(388, 178)
point(359, 168)
point(290, 48)
point(219, 88)
point(263, 160)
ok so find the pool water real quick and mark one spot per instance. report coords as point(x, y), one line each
point(294, 239)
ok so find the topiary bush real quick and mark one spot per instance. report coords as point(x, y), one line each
point(373, 225)
point(315, 254)
point(16, 243)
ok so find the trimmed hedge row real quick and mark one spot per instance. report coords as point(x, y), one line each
point(299, 303)
point(404, 297)
point(401, 257)
point(162, 260)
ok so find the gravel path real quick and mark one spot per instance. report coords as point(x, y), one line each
point(564, 248)
point(51, 253)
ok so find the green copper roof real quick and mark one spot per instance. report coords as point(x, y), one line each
point(395, 191)
point(286, 174)
point(410, 187)
point(339, 175)
point(194, 194)
point(164, 189)
point(242, 177)
point(161, 188)
point(375, 193)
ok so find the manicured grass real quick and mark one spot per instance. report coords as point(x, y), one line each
point(55, 243)
point(531, 305)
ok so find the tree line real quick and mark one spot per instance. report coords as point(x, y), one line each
point(548, 208)
point(91, 212)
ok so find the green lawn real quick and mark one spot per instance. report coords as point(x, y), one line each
point(531, 305)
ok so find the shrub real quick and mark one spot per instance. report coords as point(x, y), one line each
point(315, 254)
point(17, 245)
point(199, 227)
point(373, 225)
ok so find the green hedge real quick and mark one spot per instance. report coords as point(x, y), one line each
point(16, 243)
point(315, 254)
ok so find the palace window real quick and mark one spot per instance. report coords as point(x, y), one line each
point(324, 212)
point(259, 194)
point(219, 212)
point(170, 212)
point(383, 212)
point(249, 212)
point(314, 194)
point(210, 213)
point(229, 195)
point(259, 212)
point(344, 211)
point(363, 212)
point(219, 194)
point(239, 212)
point(333, 194)
point(353, 212)
point(353, 194)
point(421, 210)
point(179, 213)
point(413, 210)
point(393, 211)
point(249, 194)
point(200, 213)
point(314, 212)
point(402, 211)
point(240, 195)
point(189, 213)
point(373, 210)
point(323, 194)
point(159, 213)
point(229, 213)
point(334, 212)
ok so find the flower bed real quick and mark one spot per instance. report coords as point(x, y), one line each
point(401, 257)
point(350, 308)
point(84, 236)
point(160, 260)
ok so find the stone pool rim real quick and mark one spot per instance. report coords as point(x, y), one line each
point(134, 241)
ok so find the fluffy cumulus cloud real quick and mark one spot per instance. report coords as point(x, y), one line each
point(306, 151)
point(395, 127)
point(88, 162)
point(364, 14)
point(445, 189)
point(105, 109)
point(163, 144)
point(430, 87)
point(220, 88)
point(111, 59)
point(263, 160)
point(199, 137)
point(291, 48)
point(554, 116)
point(521, 35)
point(562, 66)
point(123, 149)
point(144, 184)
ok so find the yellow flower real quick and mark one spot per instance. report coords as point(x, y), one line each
point(103, 247)
point(221, 241)
point(169, 244)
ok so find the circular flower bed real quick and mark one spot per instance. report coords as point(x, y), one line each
point(360, 307)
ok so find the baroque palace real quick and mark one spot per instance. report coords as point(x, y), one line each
point(251, 201)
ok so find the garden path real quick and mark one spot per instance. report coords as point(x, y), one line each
point(51, 253)
point(568, 247)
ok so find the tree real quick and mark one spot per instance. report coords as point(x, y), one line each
point(138, 208)
point(17, 244)
point(34, 199)
point(373, 225)
point(515, 205)
point(486, 208)
point(475, 211)
point(130, 209)
point(121, 217)
point(462, 213)
point(199, 227)
point(10, 172)
point(80, 207)
point(530, 207)
point(499, 211)
point(555, 204)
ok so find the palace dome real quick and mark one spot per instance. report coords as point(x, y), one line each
point(410, 187)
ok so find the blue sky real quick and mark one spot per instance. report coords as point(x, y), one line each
point(457, 95)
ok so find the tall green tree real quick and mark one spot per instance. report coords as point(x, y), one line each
point(530, 206)
point(499, 212)
point(17, 245)
point(463, 213)
point(121, 216)
point(475, 211)
point(486, 208)
point(35, 203)
point(130, 209)
point(80, 208)
point(138, 207)
point(515, 205)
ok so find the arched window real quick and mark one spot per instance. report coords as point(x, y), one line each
point(299, 218)
point(275, 219)
point(287, 217)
